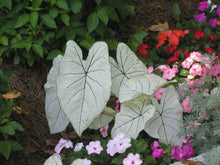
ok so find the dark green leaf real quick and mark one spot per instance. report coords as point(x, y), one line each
point(48, 21)
point(76, 6)
point(112, 14)
point(118, 159)
point(33, 18)
point(53, 12)
point(20, 44)
point(16, 60)
point(103, 16)
point(85, 44)
point(6, 3)
point(62, 4)
point(70, 35)
point(149, 160)
point(52, 2)
point(38, 50)
point(98, 1)
point(53, 54)
point(15, 146)
point(7, 129)
point(66, 19)
point(5, 148)
point(36, 3)
point(176, 11)
point(23, 19)
point(139, 145)
point(16, 126)
point(30, 62)
point(4, 40)
point(92, 22)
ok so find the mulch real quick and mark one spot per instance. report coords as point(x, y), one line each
point(30, 113)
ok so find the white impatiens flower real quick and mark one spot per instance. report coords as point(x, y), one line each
point(63, 143)
point(78, 147)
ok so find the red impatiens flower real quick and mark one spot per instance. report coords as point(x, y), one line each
point(199, 34)
point(172, 49)
point(186, 54)
point(216, 58)
point(209, 50)
point(212, 37)
point(177, 53)
point(218, 23)
point(173, 59)
point(142, 50)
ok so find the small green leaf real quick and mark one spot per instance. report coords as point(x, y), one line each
point(23, 19)
point(98, 1)
point(62, 4)
point(5, 148)
point(36, 3)
point(76, 6)
point(112, 14)
point(184, 72)
point(4, 40)
point(7, 129)
point(53, 54)
point(20, 44)
point(70, 35)
point(30, 62)
point(16, 125)
point(103, 16)
point(52, 2)
point(6, 3)
point(66, 19)
point(139, 145)
point(118, 159)
point(16, 60)
point(92, 22)
point(15, 146)
point(38, 50)
point(48, 21)
point(34, 18)
point(176, 11)
point(53, 12)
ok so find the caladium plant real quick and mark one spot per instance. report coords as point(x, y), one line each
point(78, 90)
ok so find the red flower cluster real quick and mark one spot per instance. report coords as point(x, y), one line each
point(142, 50)
point(212, 37)
point(210, 50)
point(198, 34)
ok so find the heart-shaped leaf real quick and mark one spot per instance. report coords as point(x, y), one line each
point(104, 118)
point(138, 85)
point(167, 121)
point(56, 118)
point(84, 86)
point(128, 66)
point(132, 117)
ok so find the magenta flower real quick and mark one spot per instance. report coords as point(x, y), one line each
point(215, 70)
point(188, 151)
point(158, 94)
point(104, 131)
point(213, 22)
point(187, 105)
point(118, 144)
point(200, 17)
point(176, 153)
point(186, 141)
point(158, 153)
point(155, 145)
point(218, 11)
point(94, 147)
point(132, 159)
point(63, 143)
point(203, 5)
point(78, 147)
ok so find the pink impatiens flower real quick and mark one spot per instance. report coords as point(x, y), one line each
point(176, 153)
point(150, 69)
point(183, 153)
point(196, 69)
point(196, 56)
point(118, 144)
point(86, 161)
point(155, 145)
point(78, 147)
point(187, 63)
point(193, 125)
point(203, 5)
point(188, 151)
point(187, 105)
point(132, 159)
point(94, 147)
point(117, 106)
point(63, 143)
point(158, 153)
point(158, 94)
point(104, 131)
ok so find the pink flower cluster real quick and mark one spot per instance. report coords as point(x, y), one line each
point(157, 153)
point(118, 144)
point(132, 159)
point(168, 73)
point(63, 143)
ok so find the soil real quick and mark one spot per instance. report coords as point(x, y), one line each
point(38, 143)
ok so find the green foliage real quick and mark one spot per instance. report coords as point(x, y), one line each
point(35, 30)
point(176, 12)
point(7, 126)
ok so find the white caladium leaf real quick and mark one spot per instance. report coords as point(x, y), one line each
point(127, 65)
point(56, 118)
point(54, 159)
point(133, 116)
point(167, 121)
point(138, 85)
point(84, 86)
point(104, 118)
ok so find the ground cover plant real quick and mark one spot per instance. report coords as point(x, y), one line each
point(147, 100)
